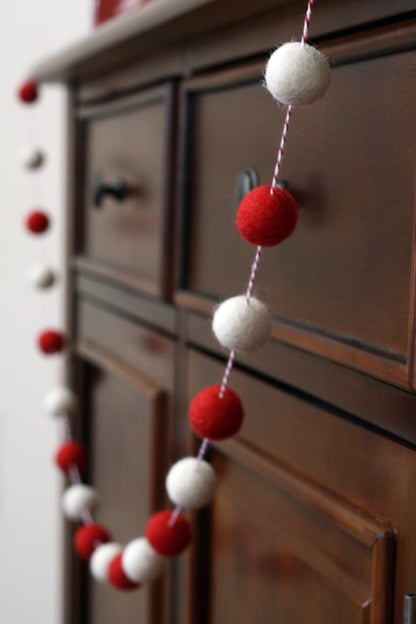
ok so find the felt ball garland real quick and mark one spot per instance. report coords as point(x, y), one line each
point(118, 577)
point(77, 498)
point(60, 400)
point(216, 418)
point(240, 326)
point(101, 559)
point(88, 537)
point(28, 92)
point(69, 454)
point(168, 538)
point(41, 276)
point(37, 222)
point(32, 158)
point(267, 216)
point(51, 341)
point(191, 483)
point(296, 74)
point(140, 561)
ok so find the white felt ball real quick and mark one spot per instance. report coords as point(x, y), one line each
point(60, 400)
point(242, 327)
point(77, 498)
point(31, 157)
point(41, 276)
point(140, 562)
point(101, 559)
point(191, 484)
point(297, 75)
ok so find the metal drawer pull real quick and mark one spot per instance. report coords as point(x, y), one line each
point(409, 616)
point(246, 181)
point(101, 189)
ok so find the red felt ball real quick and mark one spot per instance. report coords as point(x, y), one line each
point(37, 222)
point(168, 540)
point(88, 537)
point(117, 576)
point(28, 92)
point(266, 219)
point(69, 454)
point(215, 418)
point(51, 341)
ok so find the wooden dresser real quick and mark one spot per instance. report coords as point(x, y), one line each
point(315, 517)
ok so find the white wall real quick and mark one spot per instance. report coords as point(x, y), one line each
point(30, 521)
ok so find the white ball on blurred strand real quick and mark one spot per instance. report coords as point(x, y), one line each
point(60, 400)
point(41, 276)
point(191, 483)
point(78, 498)
point(140, 562)
point(101, 559)
point(241, 326)
point(297, 74)
point(31, 157)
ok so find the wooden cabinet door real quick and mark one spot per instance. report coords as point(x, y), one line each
point(124, 418)
point(313, 519)
point(285, 551)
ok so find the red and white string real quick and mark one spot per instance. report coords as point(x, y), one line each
point(73, 472)
point(74, 475)
point(254, 267)
point(306, 23)
point(36, 203)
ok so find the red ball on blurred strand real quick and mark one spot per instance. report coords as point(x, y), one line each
point(69, 454)
point(51, 341)
point(117, 576)
point(168, 540)
point(266, 218)
point(28, 92)
point(215, 418)
point(88, 537)
point(37, 222)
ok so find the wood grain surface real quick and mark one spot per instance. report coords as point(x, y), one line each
point(314, 515)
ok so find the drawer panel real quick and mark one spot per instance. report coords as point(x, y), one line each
point(305, 485)
point(141, 348)
point(129, 141)
point(371, 400)
point(312, 441)
point(341, 285)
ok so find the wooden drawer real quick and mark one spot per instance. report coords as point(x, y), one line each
point(130, 141)
point(125, 341)
point(342, 285)
point(372, 401)
point(309, 511)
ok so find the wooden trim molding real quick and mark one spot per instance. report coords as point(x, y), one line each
point(162, 23)
point(121, 276)
point(147, 386)
point(384, 365)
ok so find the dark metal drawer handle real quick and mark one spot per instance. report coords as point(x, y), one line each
point(101, 189)
point(409, 615)
point(247, 180)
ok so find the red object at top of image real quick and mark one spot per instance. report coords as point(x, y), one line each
point(106, 9)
